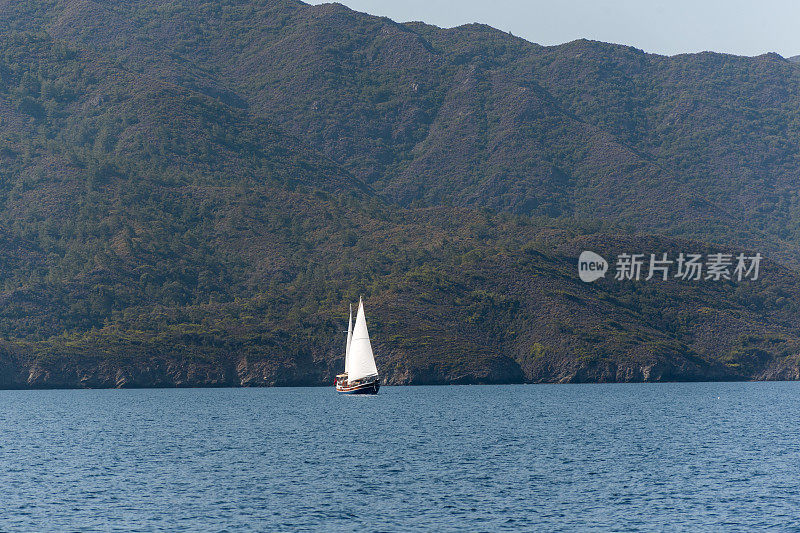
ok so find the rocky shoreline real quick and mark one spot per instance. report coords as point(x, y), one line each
point(98, 373)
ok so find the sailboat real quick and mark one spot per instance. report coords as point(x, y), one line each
point(360, 373)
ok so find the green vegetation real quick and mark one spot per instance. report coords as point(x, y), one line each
point(191, 192)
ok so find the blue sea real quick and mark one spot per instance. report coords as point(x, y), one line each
point(627, 457)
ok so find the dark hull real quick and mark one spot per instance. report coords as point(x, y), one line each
point(364, 388)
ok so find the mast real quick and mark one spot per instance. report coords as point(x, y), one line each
point(361, 361)
point(349, 339)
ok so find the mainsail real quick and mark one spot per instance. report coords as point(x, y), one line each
point(349, 339)
point(360, 362)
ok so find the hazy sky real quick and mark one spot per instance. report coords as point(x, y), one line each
point(664, 27)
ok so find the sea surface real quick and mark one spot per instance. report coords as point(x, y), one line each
point(627, 457)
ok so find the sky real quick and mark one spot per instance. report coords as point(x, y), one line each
point(662, 27)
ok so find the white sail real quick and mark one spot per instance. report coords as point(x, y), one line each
point(349, 339)
point(361, 361)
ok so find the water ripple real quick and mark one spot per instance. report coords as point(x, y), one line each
point(718, 456)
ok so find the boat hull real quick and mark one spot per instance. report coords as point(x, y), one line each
point(361, 388)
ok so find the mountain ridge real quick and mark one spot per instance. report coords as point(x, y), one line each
point(190, 193)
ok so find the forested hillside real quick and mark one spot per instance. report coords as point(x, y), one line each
point(191, 193)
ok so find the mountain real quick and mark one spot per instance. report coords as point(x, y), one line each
point(473, 116)
point(190, 193)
